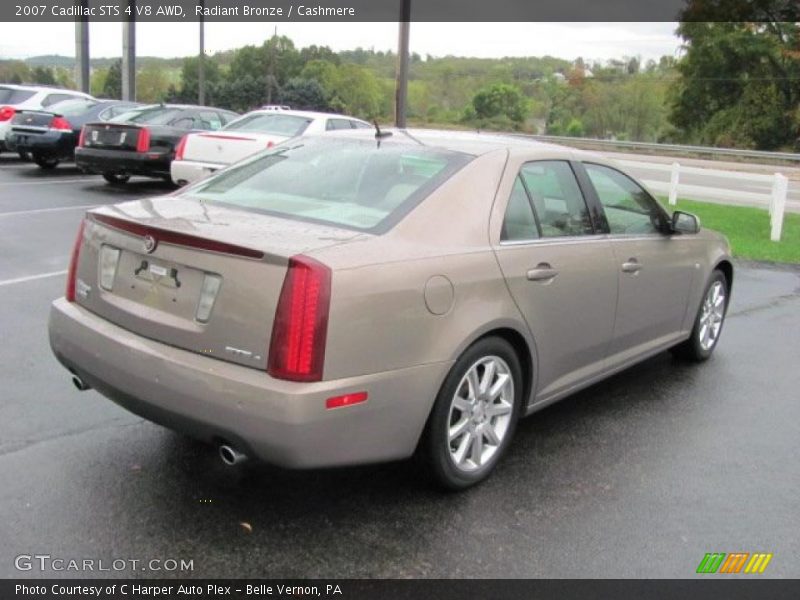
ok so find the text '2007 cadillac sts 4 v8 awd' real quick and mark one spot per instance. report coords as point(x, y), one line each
point(360, 297)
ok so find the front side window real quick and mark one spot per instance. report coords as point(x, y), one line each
point(628, 208)
point(559, 204)
point(354, 184)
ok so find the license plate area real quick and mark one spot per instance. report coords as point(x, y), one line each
point(153, 283)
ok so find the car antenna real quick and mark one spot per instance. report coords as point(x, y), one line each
point(378, 133)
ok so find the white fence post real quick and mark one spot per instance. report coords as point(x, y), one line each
point(674, 180)
point(777, 204)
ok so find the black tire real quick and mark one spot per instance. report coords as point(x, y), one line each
point(45, 162)
point(693, 349)
point(116, 178)
point(435, 445)
point(26, 156)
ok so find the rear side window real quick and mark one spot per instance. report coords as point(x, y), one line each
point(73, 107)
point(354, 184)
point(51, 99)
point(274, 123)
point(155, 116)
point(14, 96)
point(519, 223)
point(338, 124)
point(559, 204)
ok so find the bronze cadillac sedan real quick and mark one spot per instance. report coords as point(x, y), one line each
point(361, 298)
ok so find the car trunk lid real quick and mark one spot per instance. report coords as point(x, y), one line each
point(111, 136)
point(227, 148)
point(196, 276)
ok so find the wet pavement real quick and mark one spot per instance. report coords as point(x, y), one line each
point(638, 476)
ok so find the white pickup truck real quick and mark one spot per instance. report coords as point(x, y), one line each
point(199, 154)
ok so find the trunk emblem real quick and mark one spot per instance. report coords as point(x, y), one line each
point(150, 243)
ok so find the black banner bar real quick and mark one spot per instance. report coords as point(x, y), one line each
point(388, 10)
point(712, 587)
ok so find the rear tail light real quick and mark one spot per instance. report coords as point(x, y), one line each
point(60, 123)
point(6, 113)
point(300, 329)
point(270, 144)
point(72, 273)
point(180, 148)
point(143, 142)
point(82, 137)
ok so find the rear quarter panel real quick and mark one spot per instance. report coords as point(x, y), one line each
point(381, 317)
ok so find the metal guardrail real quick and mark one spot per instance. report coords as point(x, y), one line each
point(665, 148)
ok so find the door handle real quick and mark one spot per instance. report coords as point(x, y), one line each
point(542, 272)
point(632, 266)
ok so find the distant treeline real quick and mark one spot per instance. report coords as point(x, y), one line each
point(736, 84)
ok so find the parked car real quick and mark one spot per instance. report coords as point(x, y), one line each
point(28, 97)
point(51, 135)
point(200, 154)
point(143, 143)
point(339, 300)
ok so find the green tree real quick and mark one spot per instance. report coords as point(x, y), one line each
point(739, 82)
point(190, 78)
point(304, 94)
point(500, 100)
point(152, 83)
point(43, 75)
point(112, 86)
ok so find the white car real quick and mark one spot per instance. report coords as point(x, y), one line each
point(200, 154)
point(28, 97)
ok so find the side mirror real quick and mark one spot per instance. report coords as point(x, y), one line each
point(684, 222)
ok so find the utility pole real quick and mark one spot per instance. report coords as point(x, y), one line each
point(82, 72)
point(129, 54)
point(401, 88)
point(201, 64)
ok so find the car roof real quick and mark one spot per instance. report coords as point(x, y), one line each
point(309, 114)
point(466, 142)
point(44, 88)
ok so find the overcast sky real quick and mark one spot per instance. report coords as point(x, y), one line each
point(564, 40)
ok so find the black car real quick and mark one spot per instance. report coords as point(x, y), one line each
point(51, 135)
point(143, 144)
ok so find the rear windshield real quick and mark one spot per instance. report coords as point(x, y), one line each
point(159, 115)
point(286, 125)
point(71, 108)
point(13, 96)
point(353, 184)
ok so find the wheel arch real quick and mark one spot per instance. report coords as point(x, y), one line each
point(727, 269)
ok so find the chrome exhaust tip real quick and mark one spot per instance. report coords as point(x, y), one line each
point(231, 456)
point(80, 384)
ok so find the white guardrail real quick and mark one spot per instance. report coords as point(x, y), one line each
point(665, 148)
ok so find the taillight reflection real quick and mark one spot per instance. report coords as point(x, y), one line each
point(72, 272)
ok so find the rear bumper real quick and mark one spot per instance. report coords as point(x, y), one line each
point(49, 143)
point(280, 422)
point(189, 171)
point(122, 162)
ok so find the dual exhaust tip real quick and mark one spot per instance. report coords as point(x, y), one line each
point(231, 456)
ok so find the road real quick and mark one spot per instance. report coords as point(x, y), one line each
point(639, 476)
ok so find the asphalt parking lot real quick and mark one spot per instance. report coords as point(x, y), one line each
point(638, 476)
